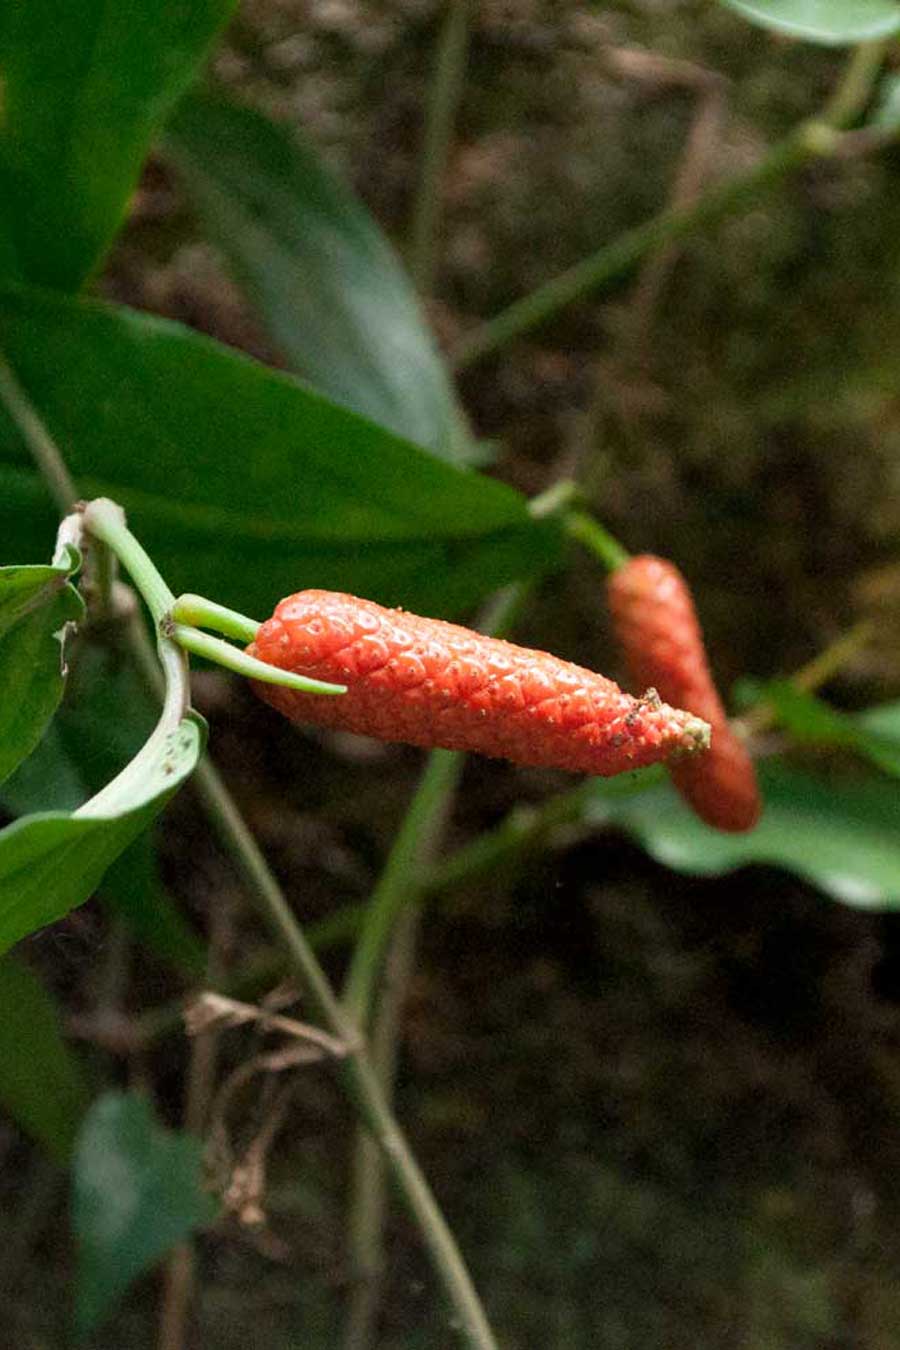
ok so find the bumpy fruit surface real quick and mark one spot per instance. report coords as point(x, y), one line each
point(431, 683)
point(655, 620)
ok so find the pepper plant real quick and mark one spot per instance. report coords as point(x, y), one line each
point(352, 470)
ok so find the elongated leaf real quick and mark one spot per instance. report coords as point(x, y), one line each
point(328, 284)
point(242, 483)
point(36, 605)
point(829, 22)
point(41, 1081)
point(136, 1193)
point(52, 862)
point(72, 761)
point(844, 837)
point(85, 88)
point(25, 589)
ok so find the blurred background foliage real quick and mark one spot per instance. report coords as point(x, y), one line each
point(660, 1111)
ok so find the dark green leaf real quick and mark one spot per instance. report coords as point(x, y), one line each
point(85, 88)
point(844, 837)
point(36, 605)
point(41, 1083)
point(242, 483)
point(52, 862)
point(25, 589)
point(831, 22)
point(136, 1193)
point(72, 761)
point(332, 292)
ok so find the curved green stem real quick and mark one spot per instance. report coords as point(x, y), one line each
point(857, 81)
point(582, 526)
point(445, 92)
point(232, 658)
point(106, 520)
point(198, 612)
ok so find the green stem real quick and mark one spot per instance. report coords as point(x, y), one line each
point(615, 260)
point(445, 92)
point(198, 612)
point(526, 827)
point(397, 883)
point(813, 139)
point(43, 448)
point(856, 84)
point(368, 1208)
point(232, 658)
point(582, 526)
point(118, 795)
point(106, 521)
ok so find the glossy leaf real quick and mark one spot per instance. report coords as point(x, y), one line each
point(25, 589)
point(86, 86)
point(829, 22)
point(329, 287)
point(242, 483)
point(105, 717)
point(50, 863)
point(41, 1081)
point(843, 836)
point(36, 605)
point(136, 1193)
point(55, 778)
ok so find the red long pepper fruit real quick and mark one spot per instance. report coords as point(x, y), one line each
point(431, 683)
point(655, 620)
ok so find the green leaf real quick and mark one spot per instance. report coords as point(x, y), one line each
point(842, 836)
point(36, 605)
point(833, 23)
point(52, 862)
point(330, 288)
point(85, 88)
point(105, 717)
point(41, 1081)
point(25, 589)
point(136, 1193)
point(242, 483)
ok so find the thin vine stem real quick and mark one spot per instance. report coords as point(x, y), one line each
point(816, 138)
point(445, 93)
point(44, 450)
